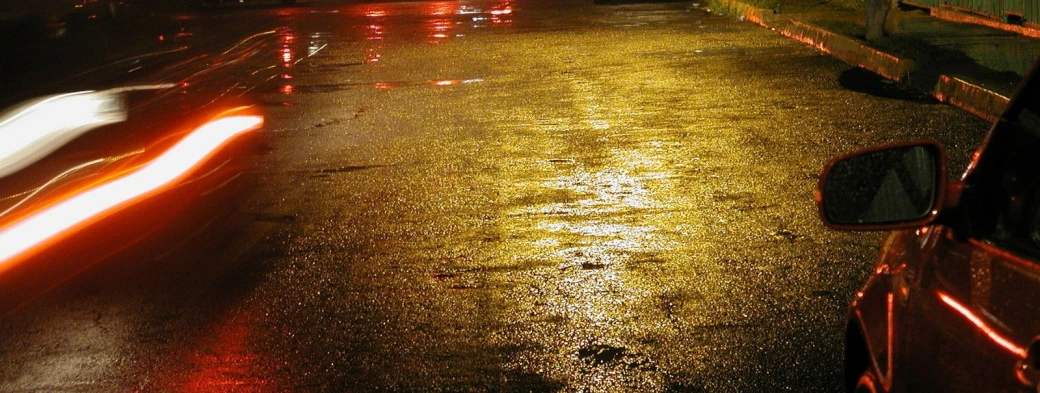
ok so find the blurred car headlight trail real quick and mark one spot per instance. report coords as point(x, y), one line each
point(36, 130)
point(172, 165)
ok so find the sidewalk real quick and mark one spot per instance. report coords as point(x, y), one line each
point(971, 66)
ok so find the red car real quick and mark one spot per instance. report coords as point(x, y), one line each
point(953, 304)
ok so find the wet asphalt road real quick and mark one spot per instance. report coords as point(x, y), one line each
point(565, 197)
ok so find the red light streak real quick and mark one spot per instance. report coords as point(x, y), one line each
point(979, 323)
point(79, 209)
point(891, 345)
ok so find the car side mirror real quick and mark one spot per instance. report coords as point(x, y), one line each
point(890, 187)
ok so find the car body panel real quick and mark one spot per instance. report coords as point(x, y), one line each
point(951, 305)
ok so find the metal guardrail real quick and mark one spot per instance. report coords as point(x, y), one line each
point(1008, 10)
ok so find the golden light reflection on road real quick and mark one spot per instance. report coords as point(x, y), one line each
point(609, 209)
point(603, 199)
point(594, 218)
point(562, 216)
point(614, 216)
point(609, 242)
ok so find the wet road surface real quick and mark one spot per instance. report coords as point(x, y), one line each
point(453, 196)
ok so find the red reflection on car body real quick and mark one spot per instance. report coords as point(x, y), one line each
point(981, 325)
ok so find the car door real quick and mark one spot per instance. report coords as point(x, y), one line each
point(974, 317)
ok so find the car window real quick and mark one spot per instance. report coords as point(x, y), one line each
point(1018, 221)
point(1029, 122)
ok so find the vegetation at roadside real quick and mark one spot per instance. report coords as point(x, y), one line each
point(803, 5)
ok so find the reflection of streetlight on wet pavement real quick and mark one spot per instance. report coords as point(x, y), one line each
point(374, 32)
point(440, 8)
point(287, 57)
point(502, 13)
point(439, 29)
point(441, 20)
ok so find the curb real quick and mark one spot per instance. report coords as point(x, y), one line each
point(849, 50)
point(971, 97)
point(955, 91)
point(1029, 30)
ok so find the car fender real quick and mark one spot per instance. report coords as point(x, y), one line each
point(877, 308)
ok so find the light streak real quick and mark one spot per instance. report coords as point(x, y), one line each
point(35, 131)
point(979, 323)
point(891, 345)
point(65, 216)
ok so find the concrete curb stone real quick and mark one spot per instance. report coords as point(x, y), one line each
point(961, 17)
point(850, 50)
point(971, 97)
point(957, 91)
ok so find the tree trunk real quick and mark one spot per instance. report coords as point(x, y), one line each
point(877, 13)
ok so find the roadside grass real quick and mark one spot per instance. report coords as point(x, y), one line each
point(805, 5)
